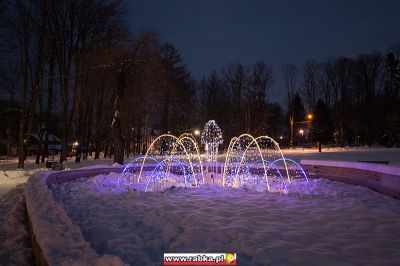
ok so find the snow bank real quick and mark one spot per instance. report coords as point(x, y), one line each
point(60, 241)
point(14, 234)
point(97, 166)
point(382, 178)
point(379, 168)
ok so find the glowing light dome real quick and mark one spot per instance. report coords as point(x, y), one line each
point(211, 138)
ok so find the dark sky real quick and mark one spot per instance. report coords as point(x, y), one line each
point(212, 33)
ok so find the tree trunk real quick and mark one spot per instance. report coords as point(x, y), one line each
point(119, 142)
point(45, 153)
point(64, 76)
point(24, 64)
point(21, 147)
point(40, 132)
point(98, 112)
point(107, 147)
point(39, 148)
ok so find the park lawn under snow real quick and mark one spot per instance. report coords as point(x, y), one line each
point(323, 223)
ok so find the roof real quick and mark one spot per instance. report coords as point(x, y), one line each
point(52, 138)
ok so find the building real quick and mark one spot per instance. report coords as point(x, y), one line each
point(54, 145)
point(142, 141)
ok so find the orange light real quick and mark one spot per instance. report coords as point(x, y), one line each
point(310, 116)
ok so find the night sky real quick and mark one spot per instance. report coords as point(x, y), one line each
point(212, 33)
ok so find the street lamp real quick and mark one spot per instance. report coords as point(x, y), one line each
point(301, 131)
point(309, 117)
point(197, 133)
point(77, 151)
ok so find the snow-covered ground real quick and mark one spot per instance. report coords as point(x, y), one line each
point(348, 224)
point(323, 223)
point(12, 163)
point(15, 246)
point(10, 179)
point(11, 176)
point(392, 155)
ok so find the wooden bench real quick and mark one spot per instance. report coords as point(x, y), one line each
point(54, 165)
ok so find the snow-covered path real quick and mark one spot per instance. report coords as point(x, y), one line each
point(15, 246)
point(14, 236)
point(327, 223)
point(10, 179)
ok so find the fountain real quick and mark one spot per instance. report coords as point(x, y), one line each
point(249, 162)
point(176, 161)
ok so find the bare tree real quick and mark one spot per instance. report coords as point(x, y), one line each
point(325, 79)
point(290, 73)
point(235, 76)
point(310, 85)
point(237, 81)
point(262, 81)
point(74, 26)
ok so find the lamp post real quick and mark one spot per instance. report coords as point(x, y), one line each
point(301, 131)
point(309, 118)
point(75, 146)
point(197, 134)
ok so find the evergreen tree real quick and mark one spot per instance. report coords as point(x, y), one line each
point(298, 108)
point(389, 116)
point(299, 113)
point(322, 128)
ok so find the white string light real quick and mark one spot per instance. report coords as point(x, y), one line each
point(211, 138)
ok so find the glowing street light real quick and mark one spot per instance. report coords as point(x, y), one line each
point(301, 131)
point(196, 132)
point(76, 143)
point(310, 117)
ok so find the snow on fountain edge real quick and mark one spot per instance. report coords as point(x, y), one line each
point(52, 228)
